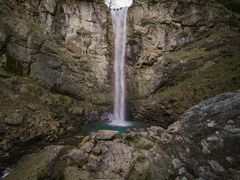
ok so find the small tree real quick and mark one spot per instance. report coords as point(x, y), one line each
point(110, 2)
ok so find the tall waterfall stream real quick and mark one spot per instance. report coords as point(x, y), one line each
point(119, 20)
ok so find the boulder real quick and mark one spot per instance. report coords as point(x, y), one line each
point(106, 135)
point(35, 166)
point(206, 138)
point(15, 118)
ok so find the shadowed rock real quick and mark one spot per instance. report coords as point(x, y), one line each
point(15, 118)
point(36, 166)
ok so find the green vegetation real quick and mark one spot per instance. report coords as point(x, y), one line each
point(139, 156)
point(41, 174)
point(148, 175)
point(138, 142)
point(60, 175)
point(13, 66)
point(198, 71)
point(233, 5)
point(215, 78)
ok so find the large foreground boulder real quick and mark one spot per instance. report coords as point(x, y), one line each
point(36, 166)
point(206, 138)
point(203, 144)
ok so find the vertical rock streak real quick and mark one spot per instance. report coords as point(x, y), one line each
point(119, 18)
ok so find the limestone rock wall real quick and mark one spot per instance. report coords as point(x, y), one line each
point(62, 44)
point(177, 51)
point(161, 27)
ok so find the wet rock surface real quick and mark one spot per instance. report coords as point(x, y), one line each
point(201, 145)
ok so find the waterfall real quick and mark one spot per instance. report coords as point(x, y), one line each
point(119, 18)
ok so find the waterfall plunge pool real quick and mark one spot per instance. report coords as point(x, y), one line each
point(105, 125)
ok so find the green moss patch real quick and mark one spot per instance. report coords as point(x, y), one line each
point(215, 78)
point(196, 72)
point(13, 66)
point(233, 5)
point(140, 142)
point(139, 156)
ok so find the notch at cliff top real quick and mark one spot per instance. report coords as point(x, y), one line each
point(115, 4)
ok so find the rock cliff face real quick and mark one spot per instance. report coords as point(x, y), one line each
point(201, 145)
point(61, 44)
point(53, 68)
point(179, 52)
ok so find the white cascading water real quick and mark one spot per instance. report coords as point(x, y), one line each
point(119, 18)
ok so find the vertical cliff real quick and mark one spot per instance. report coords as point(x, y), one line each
point(179, 52)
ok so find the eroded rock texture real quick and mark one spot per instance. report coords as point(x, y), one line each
point(53, 69)
point(203, 144)
point(179, 52)
point(61, 44)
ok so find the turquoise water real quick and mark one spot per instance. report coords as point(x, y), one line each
point(104, 125)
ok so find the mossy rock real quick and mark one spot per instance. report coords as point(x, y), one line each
point(195, 72)
point(35, 166)
point(139, 156)
point(13, 66)
point(233, 5)
point(215, 78)
point(139, 142)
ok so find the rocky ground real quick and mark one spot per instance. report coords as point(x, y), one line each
point(30, 114)
point(203, 144)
